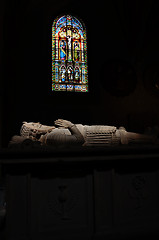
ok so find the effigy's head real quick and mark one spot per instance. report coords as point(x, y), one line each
point(33, 129)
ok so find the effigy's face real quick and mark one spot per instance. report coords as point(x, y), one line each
point(38, 126)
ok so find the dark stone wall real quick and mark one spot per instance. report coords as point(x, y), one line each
point(119, 31)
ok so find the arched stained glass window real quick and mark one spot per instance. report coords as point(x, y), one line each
point(69, 55)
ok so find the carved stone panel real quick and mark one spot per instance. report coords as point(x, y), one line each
point(62, 206)
point(136, 201)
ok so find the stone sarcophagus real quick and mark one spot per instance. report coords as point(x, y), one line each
point(81, 193)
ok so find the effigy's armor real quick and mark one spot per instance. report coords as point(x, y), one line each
point(100, 135)
point(95, 135)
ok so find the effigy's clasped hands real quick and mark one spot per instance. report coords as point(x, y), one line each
point(63, 123)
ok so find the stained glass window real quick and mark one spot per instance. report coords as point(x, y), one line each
point(69, 55)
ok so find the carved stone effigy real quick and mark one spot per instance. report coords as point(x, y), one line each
point(69, 134)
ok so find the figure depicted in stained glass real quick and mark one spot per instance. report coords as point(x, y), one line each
point(62, 50)
point(70, 74)
point(77, 75)
point(69, 47)
point(68, 42)
point(83, 75)
point(76, 51)
point(63, 73)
